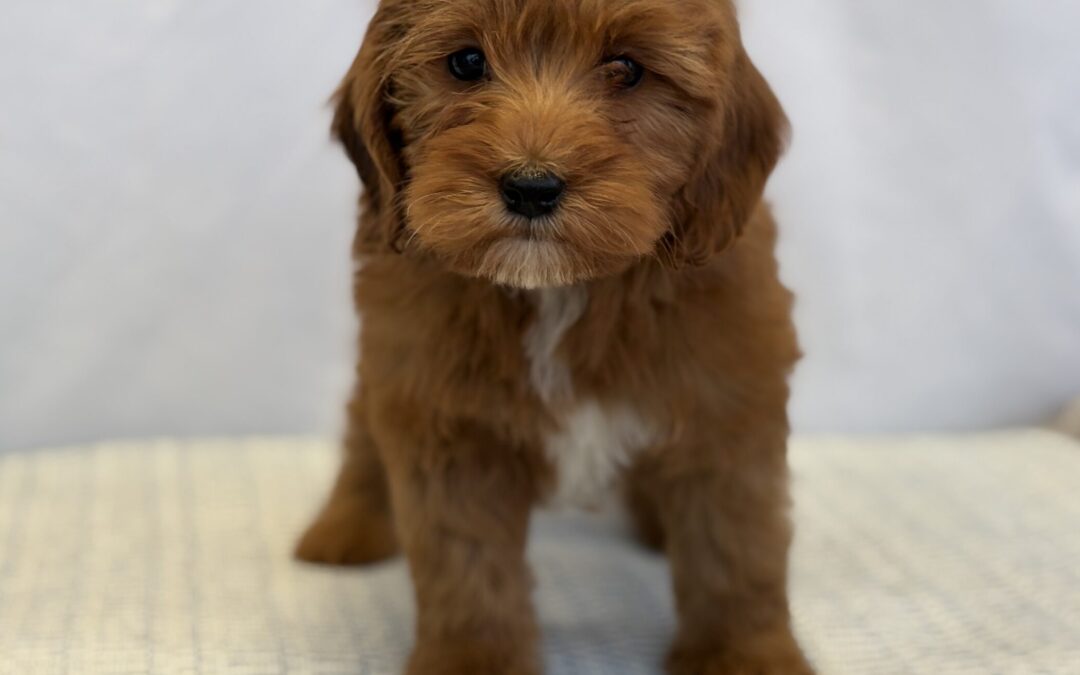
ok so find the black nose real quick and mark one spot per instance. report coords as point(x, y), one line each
point(531, 194)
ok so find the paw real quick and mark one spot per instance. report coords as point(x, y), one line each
point(348, 533)
point(465, 659)
point(767, 657)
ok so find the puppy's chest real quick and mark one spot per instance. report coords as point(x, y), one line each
point(592, 441)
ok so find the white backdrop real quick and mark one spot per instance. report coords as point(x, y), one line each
point(174, 222)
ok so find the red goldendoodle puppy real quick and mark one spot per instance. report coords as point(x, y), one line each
point(567, 282)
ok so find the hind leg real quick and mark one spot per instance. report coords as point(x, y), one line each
point(356, 526)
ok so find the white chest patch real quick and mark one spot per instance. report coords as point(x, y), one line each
point(557, 310)
point(593, 443)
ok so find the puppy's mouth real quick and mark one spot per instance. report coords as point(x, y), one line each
point(530, 262)
point(542, 229)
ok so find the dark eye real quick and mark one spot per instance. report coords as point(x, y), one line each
point(468, 65)
point(624, 72)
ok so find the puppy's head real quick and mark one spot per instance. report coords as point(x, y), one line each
point(546, 142)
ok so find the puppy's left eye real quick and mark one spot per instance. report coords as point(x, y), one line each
point(468, 65)
point(623, 72)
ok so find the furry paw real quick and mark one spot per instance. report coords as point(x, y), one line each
point(782, 659)
point(348, 533)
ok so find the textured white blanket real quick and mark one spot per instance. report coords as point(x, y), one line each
point(938, 556)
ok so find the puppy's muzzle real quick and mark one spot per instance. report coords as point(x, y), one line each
point(532, 194)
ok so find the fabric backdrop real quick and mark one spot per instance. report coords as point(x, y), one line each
point(174, 221)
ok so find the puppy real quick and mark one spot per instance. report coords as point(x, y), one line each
point(567, 282)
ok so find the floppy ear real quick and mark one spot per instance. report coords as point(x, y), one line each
point(727, 185)
point(362, 123)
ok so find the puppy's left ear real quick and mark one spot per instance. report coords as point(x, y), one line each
point(727, 185)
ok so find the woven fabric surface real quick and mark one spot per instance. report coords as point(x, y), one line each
point(937, 555)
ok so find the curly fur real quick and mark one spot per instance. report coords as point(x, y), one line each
point(638, 335)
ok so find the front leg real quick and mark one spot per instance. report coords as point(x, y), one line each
point(463, 499)
point(723, 502)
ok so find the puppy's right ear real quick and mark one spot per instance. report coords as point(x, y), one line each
point(363, 117)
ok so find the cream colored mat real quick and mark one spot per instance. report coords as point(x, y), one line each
point(937, 556)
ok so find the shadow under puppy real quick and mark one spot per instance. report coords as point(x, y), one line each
point(567, 281)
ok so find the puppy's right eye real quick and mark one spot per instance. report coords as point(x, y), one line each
point(468, 65)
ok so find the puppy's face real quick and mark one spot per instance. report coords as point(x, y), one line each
point(546, 142)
